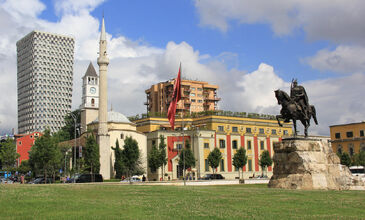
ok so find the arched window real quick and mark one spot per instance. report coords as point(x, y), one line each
point(351, 149)
point(339, 149)
point(92, 102)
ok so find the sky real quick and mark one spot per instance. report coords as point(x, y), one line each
point(248, 48)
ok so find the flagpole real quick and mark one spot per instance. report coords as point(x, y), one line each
point(182, 121)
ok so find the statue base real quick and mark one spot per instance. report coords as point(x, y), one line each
point(301, 163)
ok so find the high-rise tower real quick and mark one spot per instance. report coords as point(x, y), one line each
point(45, 72)
point(103, 137)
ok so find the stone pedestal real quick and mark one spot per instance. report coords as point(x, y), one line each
point(301, 163)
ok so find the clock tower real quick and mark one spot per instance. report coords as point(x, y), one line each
point(90, 97)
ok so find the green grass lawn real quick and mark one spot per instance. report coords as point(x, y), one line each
point(106, 201)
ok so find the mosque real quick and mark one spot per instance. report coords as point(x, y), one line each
point(109, 126)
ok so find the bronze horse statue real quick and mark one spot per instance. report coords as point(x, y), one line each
point(291, 110)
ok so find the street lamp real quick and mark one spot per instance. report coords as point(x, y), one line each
point(75, 121)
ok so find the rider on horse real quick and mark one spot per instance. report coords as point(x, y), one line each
point(299, 96)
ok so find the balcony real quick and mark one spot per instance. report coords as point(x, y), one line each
point(214, 99)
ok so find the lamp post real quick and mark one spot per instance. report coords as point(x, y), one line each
point(74, 165)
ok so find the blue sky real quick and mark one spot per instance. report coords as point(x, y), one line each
point(248, 48)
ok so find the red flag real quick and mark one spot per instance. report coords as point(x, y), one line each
point(176, 96)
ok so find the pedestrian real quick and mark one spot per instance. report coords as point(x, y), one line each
point(143, 178)
point(22, 179)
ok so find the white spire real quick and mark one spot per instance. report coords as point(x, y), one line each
point(102, 34)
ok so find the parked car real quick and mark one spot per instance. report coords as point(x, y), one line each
point(215, 176)
point(132, 179)
point(85, 178)
point(357, 171)
point(40, 180)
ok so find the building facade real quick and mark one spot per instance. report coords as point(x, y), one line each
point(24, 145)
point(196, 96)
point(227, 133)
point(44, 80)
point(348, 137)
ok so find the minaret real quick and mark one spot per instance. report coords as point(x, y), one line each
point(103, 137)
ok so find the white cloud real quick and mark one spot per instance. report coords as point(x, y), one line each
point(344, 59)
point(335, 20)
point(75, 7)
point(135, 65)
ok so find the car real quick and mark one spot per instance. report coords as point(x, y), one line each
point(132, 179)
point(357, 171)
point(215, 176)
point(85, 178)
point(40, 180)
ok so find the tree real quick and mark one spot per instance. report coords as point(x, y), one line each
point(131, 157)
point(24, 167)
point(67, 132)
point(45, 155)
point(214, 157)
point(189, 157)
point(154, 159)
point(358, 159)
point(118, 163)
point(345, 159)
point(8, 154)
point(265, 160)
point(162, 158)
point(92, 155)
point(240, 160)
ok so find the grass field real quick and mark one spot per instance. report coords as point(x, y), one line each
point(106, 201)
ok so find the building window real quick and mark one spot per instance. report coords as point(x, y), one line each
point(206, 165)
point(179, 146)
point(249, 165)
point(361, 133)
point(262, 131)
point(193, 100)
point(92, 102)
point(20, 143)
point(234, 129)
point(262, 145)
point(248, 145)
point(273, 131)
point(236, 168)
point(206, 145)
point(285, 132)
point(234, 144)
point(122, 136)
point(222, 165)
point(200, 101)
point(338, 135)
point(220, 128)
point(248, 130)
point(153, 142)
point(351, 149)
point(222, 143)
point(192, 94)
point(339, 149)
point(349, 134)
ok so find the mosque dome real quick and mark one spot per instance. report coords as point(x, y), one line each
point(116, 117)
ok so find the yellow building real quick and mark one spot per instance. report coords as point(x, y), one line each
point(196, 96)
point(205, 132)
point(348, 137)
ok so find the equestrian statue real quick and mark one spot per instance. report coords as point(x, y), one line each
point(295, 107)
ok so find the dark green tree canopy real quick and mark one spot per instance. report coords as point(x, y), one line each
point(8, 154)
point(91, 155)
point(214, 157)
point(345, 159)
point(265, 159)
point(189, 157)
point(240, 158)
point(154, 159)
point(118, 164)
point(131, 157)
point(45, 155)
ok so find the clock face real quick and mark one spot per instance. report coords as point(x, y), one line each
point(92, 90)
